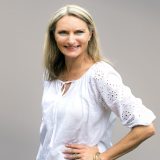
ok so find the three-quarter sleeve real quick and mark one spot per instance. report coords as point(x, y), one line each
point(119, 98)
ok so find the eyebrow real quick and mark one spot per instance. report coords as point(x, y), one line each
point(65, 30)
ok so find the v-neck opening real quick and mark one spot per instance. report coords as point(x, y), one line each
point(62, 83)
point(65, 87)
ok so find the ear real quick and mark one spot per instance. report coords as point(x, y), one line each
point(90, 35)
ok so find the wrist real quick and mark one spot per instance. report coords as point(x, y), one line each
point(103, 156)
point(97, 156)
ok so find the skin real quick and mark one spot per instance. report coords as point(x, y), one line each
point(135, 137)
point(72, 36)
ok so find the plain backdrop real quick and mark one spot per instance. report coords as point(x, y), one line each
point(129, 32)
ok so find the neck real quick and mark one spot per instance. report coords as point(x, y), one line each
point(76, 64)
point(75, 68)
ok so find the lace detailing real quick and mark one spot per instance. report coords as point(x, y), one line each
point(113, 94)
point(86, 108)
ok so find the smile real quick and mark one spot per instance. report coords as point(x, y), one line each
point(72, 47)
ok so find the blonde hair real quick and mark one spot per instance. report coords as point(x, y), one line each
point(54, 62)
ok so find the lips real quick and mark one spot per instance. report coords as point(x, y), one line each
point(72, 48)
point(76, 46)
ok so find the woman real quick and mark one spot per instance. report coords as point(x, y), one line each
point(83, 94)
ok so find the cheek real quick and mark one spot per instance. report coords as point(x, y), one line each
point(59, 40)
point(85, 41)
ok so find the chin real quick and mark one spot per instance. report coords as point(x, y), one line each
point(72, 55)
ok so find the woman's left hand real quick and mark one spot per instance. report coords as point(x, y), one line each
point(80, 152)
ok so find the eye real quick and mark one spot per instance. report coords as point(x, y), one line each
point(79, 32)
point(62, 33)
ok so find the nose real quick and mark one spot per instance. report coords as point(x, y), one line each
point(71, 39)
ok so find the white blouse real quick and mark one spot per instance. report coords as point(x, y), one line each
point(86, 112)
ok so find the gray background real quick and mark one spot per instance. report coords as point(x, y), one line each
point(130, 38)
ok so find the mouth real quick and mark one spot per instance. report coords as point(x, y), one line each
point(72, 47)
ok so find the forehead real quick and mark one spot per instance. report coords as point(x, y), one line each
point(71, 22)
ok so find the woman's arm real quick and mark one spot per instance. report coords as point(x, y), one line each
point(136, 136)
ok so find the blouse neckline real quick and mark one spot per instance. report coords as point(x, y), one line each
point(81, 77)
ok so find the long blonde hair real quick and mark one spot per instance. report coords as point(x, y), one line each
point(54, 62)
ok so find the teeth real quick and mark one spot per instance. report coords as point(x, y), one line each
point(72, 46)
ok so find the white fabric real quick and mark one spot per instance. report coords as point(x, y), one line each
point(86, 112)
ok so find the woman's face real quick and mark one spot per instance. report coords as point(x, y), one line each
point(72, 36)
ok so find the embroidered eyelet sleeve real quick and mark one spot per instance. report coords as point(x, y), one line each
point(119, 98)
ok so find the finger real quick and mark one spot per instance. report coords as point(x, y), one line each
point(76, 146)
point(72, 156)
point(71, 151)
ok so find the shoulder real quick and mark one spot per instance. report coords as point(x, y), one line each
point(101, 64)
point(46, 84)
point(103, 70)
